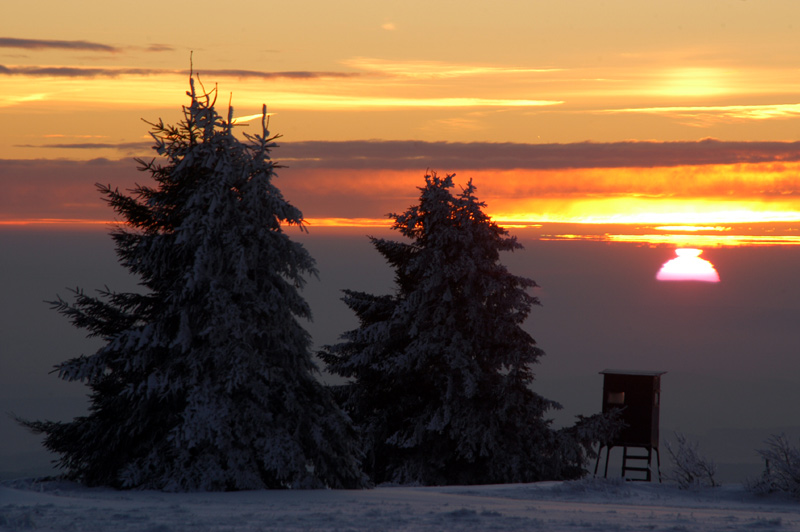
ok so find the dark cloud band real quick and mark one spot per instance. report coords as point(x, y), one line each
point(74, 72)
point(292, 74)
point(416, 155)
point(42, 44)
point(81, 72)
point(140, 147)
point(403, 155)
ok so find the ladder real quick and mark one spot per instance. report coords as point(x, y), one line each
point(627, 459)
point(636, 463)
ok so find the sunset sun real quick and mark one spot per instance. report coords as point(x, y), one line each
point(688, 266)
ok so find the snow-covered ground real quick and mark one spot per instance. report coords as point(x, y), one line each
point(607, 505)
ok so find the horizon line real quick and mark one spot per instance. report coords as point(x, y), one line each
point(740, 234)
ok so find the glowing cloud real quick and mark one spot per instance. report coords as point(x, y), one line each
point(9, 101)
point(248, 118)
point(436, 69)
point(324, 101)
point(645, 211)
point(720, 112)
point(688, 266)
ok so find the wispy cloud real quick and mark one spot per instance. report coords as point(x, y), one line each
point(76, 72)
point(61, 136)
point(293, 74)
point(105, 72)
point(439, 102)
point(15, 100)
point(707, 114)
point(44, 44)
point(155, 47)
point(436, 69)
point(332, 102)
point(248, 118)
point(141, 146)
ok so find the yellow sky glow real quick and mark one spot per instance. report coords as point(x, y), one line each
point(646, 211)
point(699, 241)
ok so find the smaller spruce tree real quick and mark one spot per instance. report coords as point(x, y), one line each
point(440, 372)
point(205, 380)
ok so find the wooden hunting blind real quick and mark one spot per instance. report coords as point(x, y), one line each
point(638, 395)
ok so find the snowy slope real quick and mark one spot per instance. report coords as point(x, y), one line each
point(554, 506)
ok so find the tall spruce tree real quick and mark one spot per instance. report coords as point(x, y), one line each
point(440, 372)
point(205, 380)
point(441, 369)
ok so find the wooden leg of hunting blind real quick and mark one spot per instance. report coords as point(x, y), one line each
point(658, 464)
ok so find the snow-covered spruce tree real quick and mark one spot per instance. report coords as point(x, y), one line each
point(206, 380)
point(440, 372)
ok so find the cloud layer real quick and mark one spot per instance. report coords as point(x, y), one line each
point(416, 155)
point(108, 72)
point(368, 179)
point(45, 44)
point(409, 155)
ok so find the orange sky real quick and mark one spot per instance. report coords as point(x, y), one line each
point(600, 108)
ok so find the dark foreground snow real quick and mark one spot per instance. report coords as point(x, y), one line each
point(552, 506)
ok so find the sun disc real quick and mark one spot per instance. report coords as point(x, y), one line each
point(688, 253)
point(688, 266)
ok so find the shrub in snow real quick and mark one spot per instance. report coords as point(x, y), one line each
point(440, 371)
point(691, 469)
point(206, 380)
point(782, 471)
point(578, 444)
